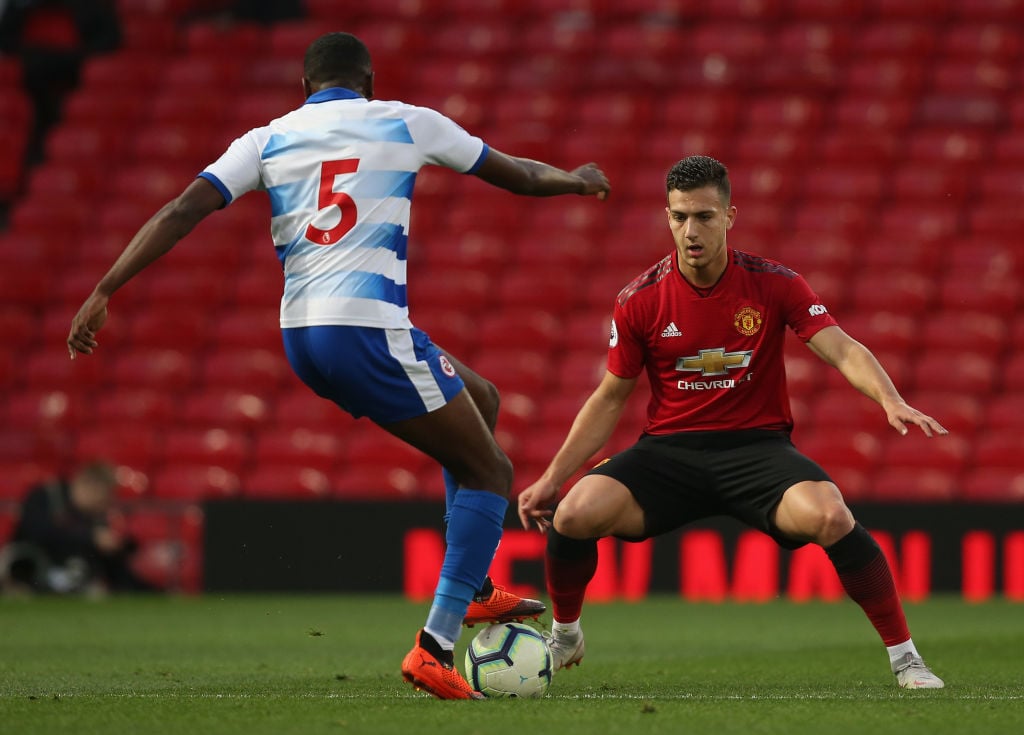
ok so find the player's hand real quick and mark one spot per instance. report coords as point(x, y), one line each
point(594, 181)
point(87, 322)
point(900, 414)
point(533, 505)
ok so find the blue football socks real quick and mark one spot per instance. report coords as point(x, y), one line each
point(475, 520)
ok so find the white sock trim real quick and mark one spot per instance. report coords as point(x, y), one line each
point(570, 628)
point(900, 650)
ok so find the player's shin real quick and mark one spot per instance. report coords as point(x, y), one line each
point(474, 529)
point(569, 565)
point(867, 579)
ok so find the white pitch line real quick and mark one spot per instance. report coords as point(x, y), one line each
point(567, 697)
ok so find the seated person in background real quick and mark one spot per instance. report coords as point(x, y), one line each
point(65, 540)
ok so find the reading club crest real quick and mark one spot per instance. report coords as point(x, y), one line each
point(446, 367)
point(747, 321)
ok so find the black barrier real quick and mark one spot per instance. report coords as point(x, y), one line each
point(977, 550)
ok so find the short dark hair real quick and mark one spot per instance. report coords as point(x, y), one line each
point(336, 57)
point(696, 172)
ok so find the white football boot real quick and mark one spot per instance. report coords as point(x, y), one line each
point(912, 673)
point(566, 650)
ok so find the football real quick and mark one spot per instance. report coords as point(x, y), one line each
point(509, 660)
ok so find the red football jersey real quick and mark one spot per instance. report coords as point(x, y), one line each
point(715, 361)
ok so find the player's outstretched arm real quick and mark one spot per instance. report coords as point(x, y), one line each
point(863, 371)
point(591, 430)
point(534, 178)
point(161, 233)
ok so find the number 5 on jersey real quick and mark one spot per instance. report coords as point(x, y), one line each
point(328, 197)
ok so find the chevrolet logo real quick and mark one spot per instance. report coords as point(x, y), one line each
point(714, 362)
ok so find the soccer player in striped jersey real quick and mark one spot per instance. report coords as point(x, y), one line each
point(707, 325)
point(339, 171)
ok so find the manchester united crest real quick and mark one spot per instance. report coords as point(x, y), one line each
point(747, 321)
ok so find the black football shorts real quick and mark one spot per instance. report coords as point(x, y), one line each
point(681, 478)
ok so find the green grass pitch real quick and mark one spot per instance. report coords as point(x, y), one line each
point(329, 664)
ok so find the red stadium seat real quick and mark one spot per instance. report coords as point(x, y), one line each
point(43, 411)
point(805, 373)
point(882, 330)
point(452, 330)
point(1004, 451)
point(926, 182)
point(302, 408)
point(528, 328)
point(854, 484)
point(516, 369)
point(949, 454)
point(465, 290)
point(130, 406)
point(1004, 413)
point(378, 483)
point(847, 408)
point(285, 482)
point(137, 446)
point(260, 288)
point(860, 184)
point(48, 367)
point(954, 370)
point(302, 447)
point(182, 325)
point(854, 113)
point(194, 482)
point(261, 371)
point(948, 146)
point(764, 11)
point(246, 328)
point(905, 293)
point(974, 331)
point(372, 447)
point(580, 370)
point(236, 409)
point(17, 477)
point(219, 447)
point(587, 331)
point(535, 288)
point(775, 149)
point(999, 11)
point(1000, 485)
point(1007, 148)
point(907, 40)
point(167, 368)
point(961, 413)
point(900, 484)
point(991, 77)
point(837, 445)
point(846, 146)
point(885, 76)
point(181, 288)
point(18, 325)
point(913, 254)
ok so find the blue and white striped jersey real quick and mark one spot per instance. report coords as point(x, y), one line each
point(340, 172)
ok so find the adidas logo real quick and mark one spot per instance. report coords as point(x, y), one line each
point(671, 331)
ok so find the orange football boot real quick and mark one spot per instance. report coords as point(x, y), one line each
point(432, 670)
point(494, 604)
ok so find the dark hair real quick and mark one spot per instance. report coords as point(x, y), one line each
point(337, 57)
point(696, 172)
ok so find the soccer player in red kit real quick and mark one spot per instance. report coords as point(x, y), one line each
point(707, 323)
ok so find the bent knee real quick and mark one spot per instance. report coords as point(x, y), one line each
point(606, 512)
point(834, 521)
point(494, 475)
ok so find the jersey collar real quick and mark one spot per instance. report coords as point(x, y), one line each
point(333, 93)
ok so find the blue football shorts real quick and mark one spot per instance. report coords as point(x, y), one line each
point(386, 375)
